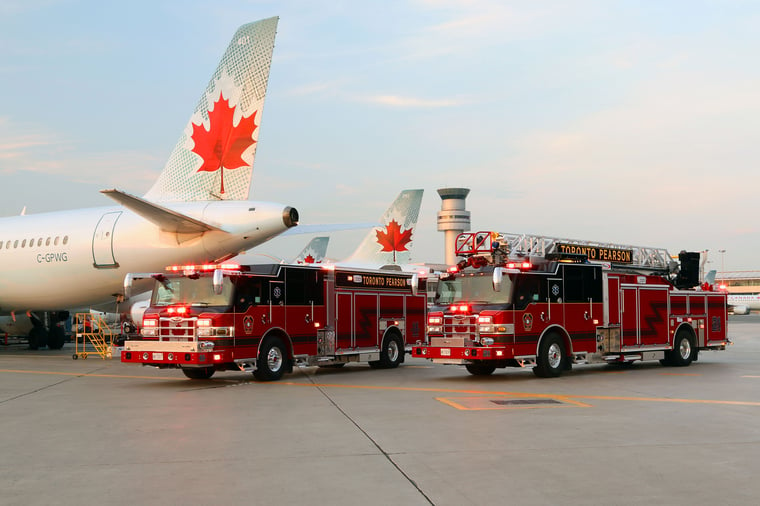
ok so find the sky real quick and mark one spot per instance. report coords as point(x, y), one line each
point(632, 122)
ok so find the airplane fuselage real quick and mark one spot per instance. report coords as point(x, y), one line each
point(73, 259)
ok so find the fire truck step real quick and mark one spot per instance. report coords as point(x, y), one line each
point(246, 365)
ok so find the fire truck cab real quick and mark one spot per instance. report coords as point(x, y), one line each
point(266, 318)
point(517, 300)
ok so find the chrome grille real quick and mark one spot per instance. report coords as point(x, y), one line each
point(460, 325)
point(176, 329)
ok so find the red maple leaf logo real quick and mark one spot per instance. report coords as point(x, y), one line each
point(308, 259)
point(393, 239)
point(222, 145)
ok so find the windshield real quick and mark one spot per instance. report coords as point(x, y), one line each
point(477, 289)
point(193, 292)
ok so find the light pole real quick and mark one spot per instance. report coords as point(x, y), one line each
point(722, 266)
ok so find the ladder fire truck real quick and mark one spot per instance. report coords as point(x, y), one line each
point(520, 300)
point(266, 318)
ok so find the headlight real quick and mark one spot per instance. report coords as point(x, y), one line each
point(435, 330)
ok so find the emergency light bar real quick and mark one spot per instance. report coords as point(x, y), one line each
point(202, 267)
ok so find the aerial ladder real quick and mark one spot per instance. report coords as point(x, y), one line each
point(517, 246)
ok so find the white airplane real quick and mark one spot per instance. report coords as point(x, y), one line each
point(743, 303)
point(389, 245)
point(197, 211)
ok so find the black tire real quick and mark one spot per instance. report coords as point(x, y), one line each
point(391, 353)
point(56, 338)
point(37, 338)
point(198, 373)
point(272, 362)
point(480, 369)
point(551, 358)
point(683, 349)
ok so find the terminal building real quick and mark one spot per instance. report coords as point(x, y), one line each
point(739, 281)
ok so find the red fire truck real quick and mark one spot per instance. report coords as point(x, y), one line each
point(266, 318)
point(520, 300)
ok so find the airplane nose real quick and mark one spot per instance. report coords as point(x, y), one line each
point(290, 217)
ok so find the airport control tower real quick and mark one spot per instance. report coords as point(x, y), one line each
point(453, 219)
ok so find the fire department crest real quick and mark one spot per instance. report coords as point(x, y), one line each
point(527, 321)
point(248, 324)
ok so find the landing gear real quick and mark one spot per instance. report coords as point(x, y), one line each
point(47, 331)
point(37, 337)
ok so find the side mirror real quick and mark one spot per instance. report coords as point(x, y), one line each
point(218, 281)
point(415, 282)
point(127, 285)
point(497, 275)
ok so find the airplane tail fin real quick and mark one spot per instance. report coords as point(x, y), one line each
point(213, 159)
point(710, 278)
point(314, 252)
point(391, 242)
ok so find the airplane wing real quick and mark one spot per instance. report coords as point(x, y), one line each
point(166, 219)
point(328, 227)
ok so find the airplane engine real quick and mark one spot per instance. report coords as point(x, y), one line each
point(740, 309)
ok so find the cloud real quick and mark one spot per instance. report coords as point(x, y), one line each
point(412, 102)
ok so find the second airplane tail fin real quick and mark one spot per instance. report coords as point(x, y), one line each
point(213, 159)
point(391, 243)
point(314, 252)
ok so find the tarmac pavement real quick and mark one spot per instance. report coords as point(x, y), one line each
point(98, 431)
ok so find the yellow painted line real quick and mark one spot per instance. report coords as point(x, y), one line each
point(486, 404)
point(417, 389)
point(527, 394)
point(52, 373)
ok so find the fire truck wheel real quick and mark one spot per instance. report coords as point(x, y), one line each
point(198, 373)
point(683, 349)
point(271, 363)
point(551, 359)
point(480, 369)
point(391, 354)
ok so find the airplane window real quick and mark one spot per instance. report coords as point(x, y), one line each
point(31, 242)
point(8, 245)
point(65, 239)
point(23, 243)
point(15, 244)
point(47, 243)
point(39, 242)
point(1, 244)
point(56, 240)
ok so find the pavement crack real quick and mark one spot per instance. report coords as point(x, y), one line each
point(387, 455)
